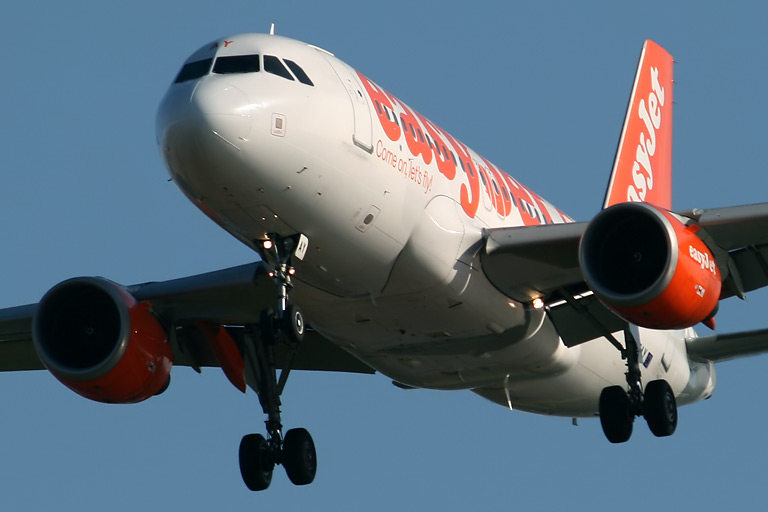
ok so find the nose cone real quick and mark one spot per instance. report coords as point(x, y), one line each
point(225, 109)
point(212, 106)
point(202, 128)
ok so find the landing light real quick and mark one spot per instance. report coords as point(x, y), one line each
point(268, 244)
point(537, 303)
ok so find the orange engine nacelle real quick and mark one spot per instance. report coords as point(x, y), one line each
point(98, 341)
point(643, 263)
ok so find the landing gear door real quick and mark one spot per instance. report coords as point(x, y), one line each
point(362, 132)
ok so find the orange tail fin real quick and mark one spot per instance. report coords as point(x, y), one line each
point(642, 170)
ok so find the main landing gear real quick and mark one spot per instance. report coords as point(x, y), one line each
point(618, 407)
point(295, 451)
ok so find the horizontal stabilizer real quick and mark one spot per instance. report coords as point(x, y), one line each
point(722, 347)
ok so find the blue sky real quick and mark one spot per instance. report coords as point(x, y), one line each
point(539, 88)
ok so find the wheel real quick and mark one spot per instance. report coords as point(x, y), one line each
point(256, 463)
point(660, 408)
point(299, 456)
point(268, 326)
point(294, 323)
point(616, 416)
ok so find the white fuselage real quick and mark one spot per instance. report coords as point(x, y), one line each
point(394, 209)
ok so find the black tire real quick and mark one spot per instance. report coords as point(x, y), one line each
point(616, 416)
point(299, 456)
point(294, 323)
point(256, 464)
point(660, 408)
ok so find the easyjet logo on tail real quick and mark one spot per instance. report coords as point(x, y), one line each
point(650, 114)
point(642, 170)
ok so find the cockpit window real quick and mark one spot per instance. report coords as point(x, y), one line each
point(237, 64)
point(273, 65)
point(300, 74)
point(193, 70)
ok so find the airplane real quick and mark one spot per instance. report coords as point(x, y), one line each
point(384, 244)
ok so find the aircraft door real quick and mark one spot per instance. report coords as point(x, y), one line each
point(362, 132)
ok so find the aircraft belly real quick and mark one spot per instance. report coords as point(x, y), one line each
point(525, 365)
point(576, 392)
point(439, 338)
point(476, 362)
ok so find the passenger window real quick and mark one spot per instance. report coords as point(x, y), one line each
point(237, 64)
point(273, 65)
point(300, 74)
point(390, 114)
point(193, 70)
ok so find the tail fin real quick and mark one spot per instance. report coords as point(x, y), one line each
point(642, 170)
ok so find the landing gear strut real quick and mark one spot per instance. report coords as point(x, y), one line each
point(618, 407)
point(285, 324)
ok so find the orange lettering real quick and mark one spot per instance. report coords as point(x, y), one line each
point(502, 201)
point(487, 182)
point(414, 136)
point(469, 196)
point(527, 212)
point(444, 163)
point(381, 103)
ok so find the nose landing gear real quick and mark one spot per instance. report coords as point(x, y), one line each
point(296, 450)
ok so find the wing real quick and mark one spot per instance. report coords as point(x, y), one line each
point(16, 350)
point(231, 297)
point(532, 262)
point(742, 231)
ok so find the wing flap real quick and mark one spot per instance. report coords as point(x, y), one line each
point(583, 318)
point(752, 266)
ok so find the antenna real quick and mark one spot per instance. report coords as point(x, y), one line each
point(272, 30)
